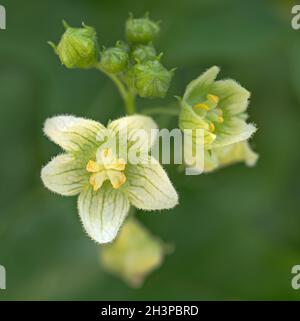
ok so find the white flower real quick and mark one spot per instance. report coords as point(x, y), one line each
point(105, 183)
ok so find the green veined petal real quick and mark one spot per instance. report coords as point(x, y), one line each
point(148, 186)
point(233, 97)
point(200, 87)
point(134, 123)
point(103, 212)
point(233, 130)
point(64, 175)
point(74, 134)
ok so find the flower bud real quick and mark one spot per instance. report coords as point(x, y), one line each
point(78, 47)
point(152, 79)
point(141, 30)
point(133, 255)
point(114, 60)
point(123, 45)
point(143, 53)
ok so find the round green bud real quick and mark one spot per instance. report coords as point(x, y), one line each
point(114, 60)
point(151, 79)
point(142, 30)
point(78, 47)
point(143, 53)
point(123, 45)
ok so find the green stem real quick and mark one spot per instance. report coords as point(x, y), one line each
point(127, 95)
point(162, 111)
point(130, 103)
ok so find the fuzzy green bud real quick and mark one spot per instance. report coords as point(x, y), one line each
point(114, 60)
point(152, 79)
point(141, 30)
point(143, 53)
point(78, 47)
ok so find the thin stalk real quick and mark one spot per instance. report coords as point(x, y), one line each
point(127, 96)
point(161, 111)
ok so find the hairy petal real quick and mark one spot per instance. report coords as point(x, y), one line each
point(103, 212)
point(201, 86)
point(64, 175)
point(233, 97)
point(133, 124)
point(74, 134)
point(233, 130)
point(149, 187)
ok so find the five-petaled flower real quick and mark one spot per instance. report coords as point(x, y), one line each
point(105, 182)
point(218, 108)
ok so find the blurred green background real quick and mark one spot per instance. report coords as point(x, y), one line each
point(237, 231)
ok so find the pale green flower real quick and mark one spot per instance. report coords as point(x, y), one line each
point(134, 254)
point(230, 154)
point(105, 183)
point(218, 107)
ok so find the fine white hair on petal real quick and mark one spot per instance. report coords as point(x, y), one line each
point(102, 213)
point(149, 186)
point(64, 175)
point(73, 133)
point(132, 125)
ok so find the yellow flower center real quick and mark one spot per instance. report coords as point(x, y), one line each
point(208, 109)
point(106, 167)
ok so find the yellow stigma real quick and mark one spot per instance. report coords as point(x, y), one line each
point(201, 106)
point(212, 127)
point(213, 98)
point(106, 167)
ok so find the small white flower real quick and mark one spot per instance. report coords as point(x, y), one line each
point(105, 183)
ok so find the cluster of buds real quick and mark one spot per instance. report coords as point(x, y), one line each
point(136, 61)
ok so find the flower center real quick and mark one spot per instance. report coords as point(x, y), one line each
point(209, 110)
point(106, 167)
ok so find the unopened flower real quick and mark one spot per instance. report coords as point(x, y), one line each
point(152, 79)
point(106, 184)
point(141, 30)
point(78, 47)
point(134, 254)
point(143, 53)
point(218, 107)
point(114, 60)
